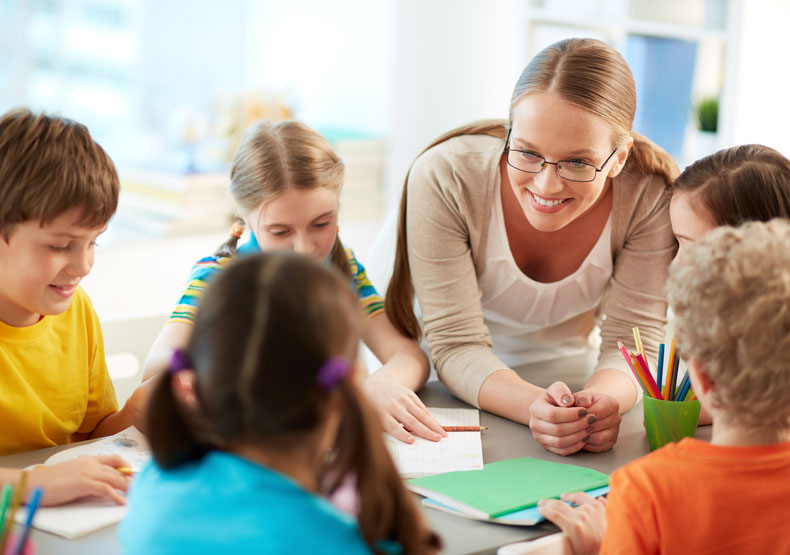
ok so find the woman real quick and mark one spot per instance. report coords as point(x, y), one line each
point(515, 235)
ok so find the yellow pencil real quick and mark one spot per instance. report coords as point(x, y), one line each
point(639, 346)
point(127, 470)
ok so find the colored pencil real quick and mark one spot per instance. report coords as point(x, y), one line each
point(18, 493)
point(5, 500)
point(127, 470)
point(639, 347)
point(670, 367)
point(649, 377)
point(464, 428)
point(631, 366)
point(32, 507)
point(660, 367)
point(673, 383)
point(683, 388)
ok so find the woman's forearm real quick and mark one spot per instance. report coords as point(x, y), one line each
point(615, 384)
point(504, 393)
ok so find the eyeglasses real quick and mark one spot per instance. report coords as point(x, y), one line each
point(572, 170)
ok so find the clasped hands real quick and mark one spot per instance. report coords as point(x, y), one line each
point(564, 422)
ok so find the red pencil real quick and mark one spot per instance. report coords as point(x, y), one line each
point(464, 428)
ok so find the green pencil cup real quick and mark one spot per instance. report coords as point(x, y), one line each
point(667, 421)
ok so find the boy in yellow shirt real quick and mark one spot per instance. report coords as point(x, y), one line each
point(58, 190)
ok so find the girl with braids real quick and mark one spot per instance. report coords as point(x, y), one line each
point(274, 420)
point(286, 182)
point(516, 236)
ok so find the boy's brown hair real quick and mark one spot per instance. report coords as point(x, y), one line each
point(50, 165)
point(730, 293)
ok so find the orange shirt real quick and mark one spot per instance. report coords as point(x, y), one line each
point(694, 497)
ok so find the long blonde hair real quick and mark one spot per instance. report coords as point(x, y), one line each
point(585, 72)
point(274, 157)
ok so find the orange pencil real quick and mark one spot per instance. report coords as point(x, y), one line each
point(127, 470)
point(670, 369)
point(642, 363)
point(464, 428)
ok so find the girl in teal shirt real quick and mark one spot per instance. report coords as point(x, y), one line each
point(272, 420)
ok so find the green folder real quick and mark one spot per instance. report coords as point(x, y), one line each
point(506, 486)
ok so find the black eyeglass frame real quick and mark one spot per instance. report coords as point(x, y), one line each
point(506, 152)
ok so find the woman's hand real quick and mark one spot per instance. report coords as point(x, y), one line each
point(71, 480)
point(558, 425)
point(606, 411)
point(584, 524)
point(402, 411)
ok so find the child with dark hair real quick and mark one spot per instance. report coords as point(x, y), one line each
point(272, 420)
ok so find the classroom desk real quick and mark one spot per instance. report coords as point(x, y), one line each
point(503, 440)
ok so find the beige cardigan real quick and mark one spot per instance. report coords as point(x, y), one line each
point(449, 201)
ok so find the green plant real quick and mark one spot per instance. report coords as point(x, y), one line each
point(708, 114)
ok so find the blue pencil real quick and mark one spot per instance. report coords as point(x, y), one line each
point(32, 507)
point(683, 388)
point(660, 368)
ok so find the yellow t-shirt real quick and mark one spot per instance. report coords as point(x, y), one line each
point(54, 379)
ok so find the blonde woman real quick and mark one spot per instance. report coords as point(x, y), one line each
point(515, 235)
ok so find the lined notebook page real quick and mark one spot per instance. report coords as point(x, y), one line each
point(457, 451)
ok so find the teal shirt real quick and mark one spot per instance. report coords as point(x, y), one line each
point(226, 504)
point(206, 268)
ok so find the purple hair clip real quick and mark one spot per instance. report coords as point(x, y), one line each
point(178, 361)
point(331, 372)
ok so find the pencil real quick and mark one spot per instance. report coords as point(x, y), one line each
point(32, 507)
point(670, 367)
point(127, 470)
point(675, 369)
point(5, 499)
point(631, 366)
point(649, 378)
point(683, 388)
point(660, 368)
point(18, 493)
point(639, 346)
point(464, 428)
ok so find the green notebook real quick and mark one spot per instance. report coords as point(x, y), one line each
point(506, 486)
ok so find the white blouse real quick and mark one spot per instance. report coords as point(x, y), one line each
point(531, 321)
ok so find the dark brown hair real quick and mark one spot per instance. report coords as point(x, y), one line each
point(274, 157)
point(740, 184)
point(585, 72)
point(256, 350)
point(50, 165)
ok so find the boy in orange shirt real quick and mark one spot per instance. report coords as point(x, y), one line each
point(730, 293)
point(58, 190)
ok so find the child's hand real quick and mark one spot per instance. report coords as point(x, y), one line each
point(558, 425)
point(402, 411)
point(606, 411)
point(137, 404)
point(81, 477)
point(584, 524)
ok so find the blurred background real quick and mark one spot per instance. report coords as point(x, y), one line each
point(166, 86)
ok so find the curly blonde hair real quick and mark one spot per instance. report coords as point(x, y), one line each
point(730, 294)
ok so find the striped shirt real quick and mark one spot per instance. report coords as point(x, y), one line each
point(206, 268)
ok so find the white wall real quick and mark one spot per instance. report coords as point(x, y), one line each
point(760, 111)
point(455, 61)
point(332, 58)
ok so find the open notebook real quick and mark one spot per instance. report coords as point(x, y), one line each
point(458, 451)
point(90, 514)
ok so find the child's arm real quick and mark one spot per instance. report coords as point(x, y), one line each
point(175, 335)
point(584, 524)
point(393, 385)
point(71, 480)
point(132, 414)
